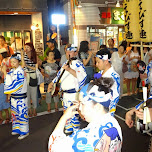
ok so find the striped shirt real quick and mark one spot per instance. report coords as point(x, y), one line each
point(30, 63)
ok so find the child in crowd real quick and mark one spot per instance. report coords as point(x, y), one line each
point(49, 71)
point(6, 61)
point(4, 103)
point(15, 84)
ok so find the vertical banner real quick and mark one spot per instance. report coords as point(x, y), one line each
point(131, 20)
point(145, 20)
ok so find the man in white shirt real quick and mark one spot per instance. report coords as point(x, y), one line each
point(106, 70)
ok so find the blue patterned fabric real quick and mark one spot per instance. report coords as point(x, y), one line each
point(115, 89)
point(15, 83)
point(89, 139)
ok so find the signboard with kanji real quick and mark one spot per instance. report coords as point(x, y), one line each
point(131, 12)
point(117, 16)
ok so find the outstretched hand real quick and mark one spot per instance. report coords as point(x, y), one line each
point(128, 119)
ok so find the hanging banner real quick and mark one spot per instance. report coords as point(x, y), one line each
point(145, 20)
point(131, 20)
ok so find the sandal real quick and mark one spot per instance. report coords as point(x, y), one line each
point(1, 121)
point(56, 109)
point(49, 110)
point(7, 121)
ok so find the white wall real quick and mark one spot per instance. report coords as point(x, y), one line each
point(83, 16)
point(87, 16)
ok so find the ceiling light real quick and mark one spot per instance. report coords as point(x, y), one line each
point(79, 4)
point(118, 4)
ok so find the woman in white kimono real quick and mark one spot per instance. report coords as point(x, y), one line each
point(15, 85)
point(103, 132)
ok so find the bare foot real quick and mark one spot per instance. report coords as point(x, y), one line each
point(56, 109)
point(128, 93)
point(34, 114)
point(49, 110)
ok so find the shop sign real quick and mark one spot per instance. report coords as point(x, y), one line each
point(117, 16)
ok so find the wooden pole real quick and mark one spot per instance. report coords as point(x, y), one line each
point(141, 51)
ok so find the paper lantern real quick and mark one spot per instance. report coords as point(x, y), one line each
point(131, 12)
point(145, 20)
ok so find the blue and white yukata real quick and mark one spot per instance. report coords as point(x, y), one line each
point(70, 86)
point(149, 76)
point(16, 85)
point(111, 73)
point(90, 139)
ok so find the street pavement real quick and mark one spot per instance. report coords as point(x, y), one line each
point(42, 126)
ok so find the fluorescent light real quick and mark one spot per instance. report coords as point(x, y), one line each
point(118, 4)
point(58, 19)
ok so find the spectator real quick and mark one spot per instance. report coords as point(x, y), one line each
point(52, 46)
point(49, 70)
point(4, 48)
point(103, 132)
point(64, 57)
point(87, 58)
point(29, 61)
point(4, 103)
point(111, 46)
point(117, 63)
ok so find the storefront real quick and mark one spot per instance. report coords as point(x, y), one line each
point(96, 23)
point(24, 21)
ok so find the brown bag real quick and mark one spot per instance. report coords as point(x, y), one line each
point(134, 66)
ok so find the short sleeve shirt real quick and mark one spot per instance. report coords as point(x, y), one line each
point(50, 69)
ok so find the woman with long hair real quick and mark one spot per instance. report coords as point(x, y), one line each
point(29, 62)
point(87, 58)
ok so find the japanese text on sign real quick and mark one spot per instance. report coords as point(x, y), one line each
point(143, 33)
point(129, 34)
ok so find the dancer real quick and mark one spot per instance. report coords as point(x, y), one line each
point(71, 81)
point(103, 132)
point(16, 85)
point(104, 64)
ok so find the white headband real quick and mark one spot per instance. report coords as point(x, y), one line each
point(103, 57)
point(95, 95)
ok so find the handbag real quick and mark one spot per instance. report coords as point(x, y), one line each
point(124, 68)
point(134, 66)
point(33, 82)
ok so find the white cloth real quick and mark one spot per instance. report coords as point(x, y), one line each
point(89, 138)
point(14, 81)
point(39, 77)
point(68, 81)
point(117, 62)
point(130, 74)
